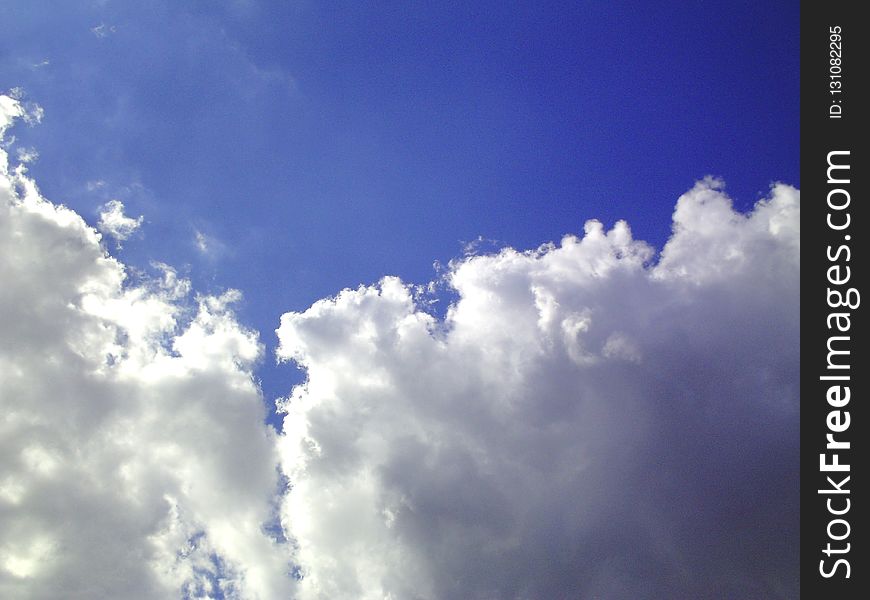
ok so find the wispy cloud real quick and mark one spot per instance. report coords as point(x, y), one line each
point(202, 242)
point(208, 245)
point(103, 31)
point(27, 155)
point(115, 223)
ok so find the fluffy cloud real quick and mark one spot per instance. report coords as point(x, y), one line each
point(134, 462)
point(115, 223)
point(591, 420)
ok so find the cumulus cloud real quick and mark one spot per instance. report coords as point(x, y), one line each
point(115, 223)
point(590, 420)
point(134, 462)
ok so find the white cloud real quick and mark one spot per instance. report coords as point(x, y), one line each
point(10, 109)
point(115, 223)
point(584, 424)
point(134, 462)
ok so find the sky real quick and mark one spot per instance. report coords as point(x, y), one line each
point(339, 300)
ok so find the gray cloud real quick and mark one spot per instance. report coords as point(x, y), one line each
point(586, 423)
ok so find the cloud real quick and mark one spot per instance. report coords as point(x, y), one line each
point(134, 462)
point(209, 246)
point(27, 155)
point(201, 241)
point(103, 31)
point(590, 420)
point(17, 106)
point(10, 109)
point(115, 223)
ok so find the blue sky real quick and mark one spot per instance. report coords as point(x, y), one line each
point(294, 149)
point(330, 144)
point(325, 145)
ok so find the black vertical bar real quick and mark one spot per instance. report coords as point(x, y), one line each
point(834, 225)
